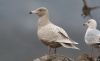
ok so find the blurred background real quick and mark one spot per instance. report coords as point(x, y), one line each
point(18, 38)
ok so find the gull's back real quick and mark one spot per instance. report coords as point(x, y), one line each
point(92, 36)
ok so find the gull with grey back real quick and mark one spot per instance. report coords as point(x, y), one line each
point(92, 35)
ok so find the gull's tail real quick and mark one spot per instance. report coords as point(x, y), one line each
point(67, 41)
point(69, 45)
point(74, 42)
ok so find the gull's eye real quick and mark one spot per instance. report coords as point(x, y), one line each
point(88, 21)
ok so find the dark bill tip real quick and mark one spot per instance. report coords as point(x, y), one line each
point(30, 13)
point(84, 24)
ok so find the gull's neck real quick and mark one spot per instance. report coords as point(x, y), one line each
point(90, 28)
point(43, 20)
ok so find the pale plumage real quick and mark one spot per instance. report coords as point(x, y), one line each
point(53, 33)
point(50, 34)
point(92, 36)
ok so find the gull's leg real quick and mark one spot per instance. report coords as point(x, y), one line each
point(55, 50)
point(98, 58)
point(49, 49)
point(92, 52)
point(98, 50)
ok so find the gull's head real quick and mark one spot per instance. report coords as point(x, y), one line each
point(40, 11)
point(91, 23)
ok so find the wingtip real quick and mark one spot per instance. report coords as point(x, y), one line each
point(77, 48)
point(66, 46)
point(75, 42)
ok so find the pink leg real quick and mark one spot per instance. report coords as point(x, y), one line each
point(55, 50)
point(49, 49)
point(92, 52)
